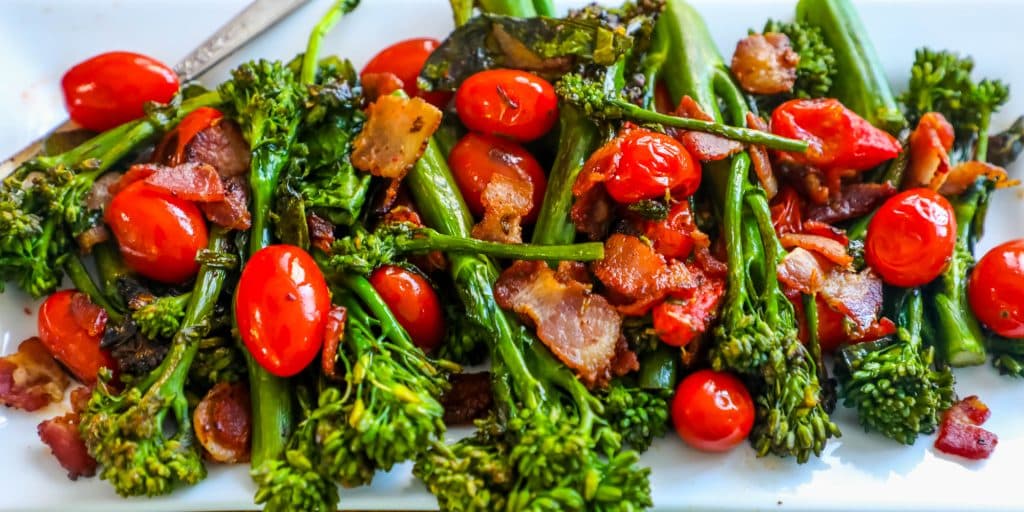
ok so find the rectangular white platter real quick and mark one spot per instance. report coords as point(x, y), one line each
point(39, 39)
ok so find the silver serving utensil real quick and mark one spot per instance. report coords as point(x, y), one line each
point(256, 18)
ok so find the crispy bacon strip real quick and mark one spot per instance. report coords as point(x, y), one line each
point(760, 158)
point(930, 143)
point(856, 200)
point(334, 332)
point(395, 135)
point(637, 277)
point(220, 145)
point(506, 201)
point(704, 146)
point(592, 213)
point(223, 422)
point(765, 63)
point(403, 213)
point(468, 399)
point(581, 328)
point(30, 378)
point(321, 232)
point(233, 211)
point(858, 295)
point(376, 85)
point(189, 181)
point(825, 246)
point(960, 432)
point(62, 436)
point(964, 175)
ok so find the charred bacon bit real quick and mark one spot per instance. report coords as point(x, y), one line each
point(801, 270)
point(703, 146)
point(569, 271)
point(220, 145)
point(468, 399)
point(856, 200)
point(929, 143)
point(334, 332)
point(625, 360)
point(765, 63)
point(825, 246)
point(581, 328)
point(679, 322)
point(760, 159)
point(62, 436)
point(376, 85)
point(637, 277)
point(321, 232)
point(395, 135)
point(223, 422)
point(99, 195)
point(961, 434)
point(506, 201)
point(30, 378)
point(964, 175)
point(233, 211)
point(92, 237)
point(858, 296)
point(592, 213)
point(189, 181)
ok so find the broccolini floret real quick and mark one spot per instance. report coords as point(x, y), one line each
point(161, 317)
point(817, 66)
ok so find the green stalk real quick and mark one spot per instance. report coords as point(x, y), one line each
point(429, 240)
point(544, 8)
point(462, 11)
point(518, 8)
point(111, 269)
point(579, 139)
point(80, 277)
point(316, 37)
point(653, 61)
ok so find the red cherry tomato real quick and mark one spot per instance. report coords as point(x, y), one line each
point(712, 411)
point(996, 289)
point(71, 327)
point(911, 238)
point(405, 60)
point(509, 103)
point(651, 164)
point(281, 306)
point(678, 322)
point(838, 138)
point(476, 158)
point(673, 237)
point(414, 303)
point(159, 234)
point(111, 88)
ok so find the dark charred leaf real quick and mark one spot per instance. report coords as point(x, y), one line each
point(650, 209)
point(1004, 147)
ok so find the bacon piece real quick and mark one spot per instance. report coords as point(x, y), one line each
point(856, 295)
point(189, 181)
point(929, 143)
point(506, 201)
point(625, 360)
point(760, 159)
point(468, 399)
point(581, 328)
point(637, 277)
point(678, 323)
point(92, 237)
point(430, 262)
point(787, 216)
point(765, 63)
point(573, 271)
point(222, 146)
point(99, 195)
point(223, 422)
point(321, 232)
point(825, 246)
point(964, 175)
point(376, 85)
point(960, 432)
point(30, 378)
point(592, 213)
point(62, 436)
point(233, 211)
point(395, 135)
point(856, 200)
point(334, 332)
point(88, 316)
point(801, 270)
point(704, 146)
point(813, 227)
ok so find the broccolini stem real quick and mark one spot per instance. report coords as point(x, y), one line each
point(518, 8)
point(311, 58)
point(579, 138)
point(544, 8)
point(654, 59)
point(111, 269)
point(430, 240)
point(658, 369)
point(80, 277)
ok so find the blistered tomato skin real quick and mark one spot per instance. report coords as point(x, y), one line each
point(159, 235)
point(281, 307)
point(413, 302)
point(911, 238)
point(652, 165)
point(508, 103)
point(405, 60)
point(71, 343)
point(712, 411)
point(996, 289)
point(476, 158)
point(112, 88)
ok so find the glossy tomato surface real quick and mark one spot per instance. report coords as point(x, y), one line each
point(652, 165)
point(910, 239)
point(158, 234)
point(712, 411)
point(837, 137)
point(281, 307)
point(71, 328)
point(996, 289)
point(477, 157)
point(673, 236)
point(111, 88)
point(508, 103)
point(405, 60)
point(414, 303)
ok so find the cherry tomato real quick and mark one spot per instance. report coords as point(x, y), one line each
point(839, 139)
point(996, 289)
point(414, 303)
point(509, 103)
point(712, 411)
point(159, 234)
point(649, 165)
point(111, 88)
point(673, 237)
point(911, 238)
point(476, 158)
point(71, 327)
point(405, 60)
point(281, 306)
point(680, 322)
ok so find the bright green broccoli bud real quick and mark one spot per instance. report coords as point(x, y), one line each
point(161, 317)
point(474, 474)
point(218, 360)
point(639, 415)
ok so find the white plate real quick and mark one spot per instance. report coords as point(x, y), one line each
point(39, 39)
